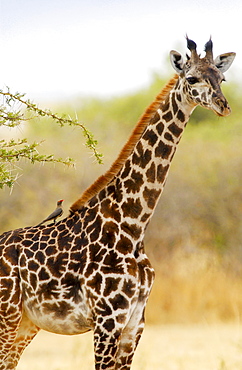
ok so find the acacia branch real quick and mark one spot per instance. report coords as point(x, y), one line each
point(13, 151)
point(91, 143)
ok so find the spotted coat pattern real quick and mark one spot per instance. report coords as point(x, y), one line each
point(89, 271)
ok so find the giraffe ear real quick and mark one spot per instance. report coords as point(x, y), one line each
point(176, 61)
point(224, 61)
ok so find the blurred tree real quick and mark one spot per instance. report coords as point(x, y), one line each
point(12, 151)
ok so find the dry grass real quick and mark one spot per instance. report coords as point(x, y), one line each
point(169, 347)
point(192, 287)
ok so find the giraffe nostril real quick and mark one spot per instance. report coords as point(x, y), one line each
point(221, 102)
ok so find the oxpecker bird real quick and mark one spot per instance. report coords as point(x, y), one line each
point(55, 214)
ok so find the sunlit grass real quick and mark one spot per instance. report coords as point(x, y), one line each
point(169, 347)
point(193, 286)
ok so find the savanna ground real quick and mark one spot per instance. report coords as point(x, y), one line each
point(168, 347)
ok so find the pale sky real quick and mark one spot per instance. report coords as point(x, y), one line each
point(65, 48)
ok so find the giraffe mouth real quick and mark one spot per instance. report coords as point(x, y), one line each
point(221, 108)
point(222, 113)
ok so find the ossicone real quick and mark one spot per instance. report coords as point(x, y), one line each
point(209, 50)
point(192, 46)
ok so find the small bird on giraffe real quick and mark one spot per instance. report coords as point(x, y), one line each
point(55, 214)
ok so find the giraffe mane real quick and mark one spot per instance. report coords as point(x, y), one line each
point(143, 122)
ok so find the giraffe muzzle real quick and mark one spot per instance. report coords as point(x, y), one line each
point(220, 106)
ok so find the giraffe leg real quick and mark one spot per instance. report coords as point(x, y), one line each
point(16, 330)
point(8, 331)
point(14, 340)
point(116, 336)
point(10, 316)
point(134, 328)
point(130, 338)
point(106, 348)
point(115, 349)
point(26, 332)
point(111, 317)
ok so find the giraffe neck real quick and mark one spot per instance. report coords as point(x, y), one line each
point(136, 179)
point(140, 182)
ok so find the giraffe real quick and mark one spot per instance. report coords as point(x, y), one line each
point(89, 271)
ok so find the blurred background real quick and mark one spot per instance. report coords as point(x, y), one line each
point(104, 62)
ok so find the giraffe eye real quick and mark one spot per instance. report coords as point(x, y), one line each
point(192, 80)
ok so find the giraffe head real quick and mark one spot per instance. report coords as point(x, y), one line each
point(201, 77)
